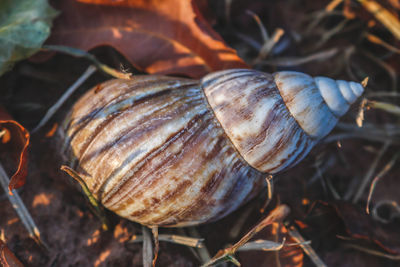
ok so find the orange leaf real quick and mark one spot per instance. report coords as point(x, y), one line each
point(157, 36)
point(16, 138)
point(7, 258)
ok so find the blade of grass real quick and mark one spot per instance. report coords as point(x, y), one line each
point(383, 94)
point(377, 178)
point(372, 132)
point(263, 30)
point(388, 107)
point(306, 247)
point(385, 66)
point(97, 206)
point(328, 34)
point(202, 252)
point(295, 61)
point(374, 252)
point(89, 71)
point(268, 46)
point(370, 172)
point(20, 209)
point(80, 53)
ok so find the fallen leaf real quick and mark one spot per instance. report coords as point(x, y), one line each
point(24, 26)
point(15, 145)
point(360, 225)
point(7, 258)
point(164, 37)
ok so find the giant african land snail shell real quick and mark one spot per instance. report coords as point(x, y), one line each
point(174, 152)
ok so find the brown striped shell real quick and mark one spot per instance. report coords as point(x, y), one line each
point(175, 152)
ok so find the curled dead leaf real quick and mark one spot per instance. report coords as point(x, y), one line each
point(164, 37)
point(359, 225)
point(15, 140)
point(7, 258)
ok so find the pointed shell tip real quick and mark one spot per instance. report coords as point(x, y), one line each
point(365, 82)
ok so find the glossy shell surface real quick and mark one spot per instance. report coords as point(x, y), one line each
point(151, 150)
point(275, 119)
point(175, 152)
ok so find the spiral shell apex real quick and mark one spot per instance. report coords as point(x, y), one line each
point(170, 151)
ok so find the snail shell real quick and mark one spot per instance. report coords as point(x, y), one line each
point(175, 152)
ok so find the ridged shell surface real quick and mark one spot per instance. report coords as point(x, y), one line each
point(275, 119)
point(152, 151)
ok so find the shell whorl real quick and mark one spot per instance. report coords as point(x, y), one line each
point(151, 150)
point(274, 120)
point(316, 103)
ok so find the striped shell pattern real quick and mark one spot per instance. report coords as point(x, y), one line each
point(176, 152)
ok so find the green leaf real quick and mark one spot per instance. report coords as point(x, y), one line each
point(24, 26)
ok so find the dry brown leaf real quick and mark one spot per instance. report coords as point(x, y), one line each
point(14, 143)
point(359, 225)
point(7, 258)
point(164, 37)
point(384, 16)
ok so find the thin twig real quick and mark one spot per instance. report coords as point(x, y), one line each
point(383, 94)
point(270, 190)
point(278, 214)
point(372, 132)
point(306, 247)
point(377, 178)
point(237, 227)
point(147, 247)
point(81, 53)
point(318, 16)
point(389, 20)
point(388, 68)
point(202, 251)
point(388, 107)
point(374, 252)
point(268, 45)
point(263, 30)
point(332, 5)
point(20, 208)
point(176, 239)
point(154, 230)
point(332, 189)
point(89, 71)
point(228, 4)
point(295, 61)
point(370, 172)
point(361, 111)
point(332, 32)
point(376, 40)
point(321, 169)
